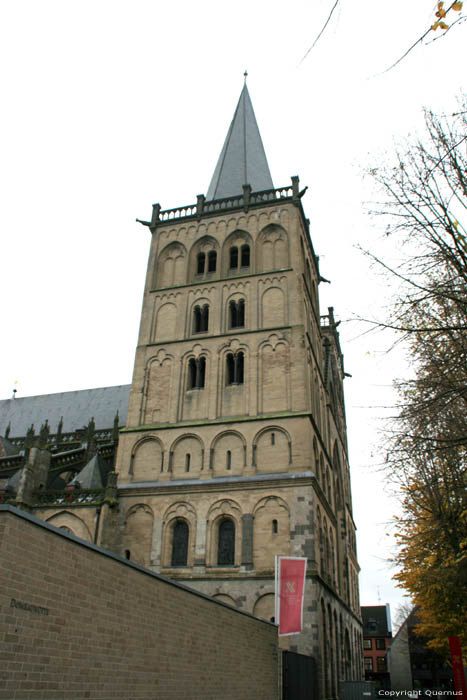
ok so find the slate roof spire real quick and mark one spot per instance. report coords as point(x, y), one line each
point(242, 160)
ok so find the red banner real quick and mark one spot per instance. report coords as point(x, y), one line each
point(290, 587)
point(457, 667)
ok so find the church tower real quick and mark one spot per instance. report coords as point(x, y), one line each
point(235, 445)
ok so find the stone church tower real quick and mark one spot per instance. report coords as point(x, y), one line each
point(235, 445)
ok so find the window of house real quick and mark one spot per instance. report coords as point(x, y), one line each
point(239, 259)
point(245, 256)
point(201, 318)
point(196, 372)
point(212, 261)
point(180, 544)
point(380, 644)
point(226, 543)
point(206, 263)
point(367, 643)
point(237, 314)
point(200, 263)
point(233, 258)
point(234, 368)
point(368, 664)
point(381, 666)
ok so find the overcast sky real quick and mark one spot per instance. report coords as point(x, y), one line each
point(108, 107)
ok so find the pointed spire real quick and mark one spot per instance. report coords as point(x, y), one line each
point(242, 160)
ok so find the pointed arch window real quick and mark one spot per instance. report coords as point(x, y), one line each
point(226, 543)
point(234, 368)
point(180, 543)
point(196, 373)
point(201, 318)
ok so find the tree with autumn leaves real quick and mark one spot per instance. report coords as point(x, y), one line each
point(425, 207)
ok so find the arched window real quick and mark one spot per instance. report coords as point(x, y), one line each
point(180, 544)
point(245, 255)
point(239, 259)
point(234, 368)
point(237, 313)
point(233, 258)
point(201, 319)
point(226, 543)
point(212, 261)
point(228, 464)
point(187, 462)
point(196, 373)
point(200, 263)
point(206, 263)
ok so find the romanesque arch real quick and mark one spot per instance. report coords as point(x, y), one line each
point(228, 453)
point(219, 532)
point(178, 535)
point(237, 254)
point(274, 375)
point(157, 389)
point(272, 249)
point(166, 319)
point(170, 269)
point(187, 457)
point(204, 259)
point(273, 308)
point(71, 523)
point(264, 607)
point(147, 459)
point(272, 450)
point(271, 534)
point(137, 534)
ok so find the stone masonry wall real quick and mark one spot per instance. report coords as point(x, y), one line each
point(78, 622)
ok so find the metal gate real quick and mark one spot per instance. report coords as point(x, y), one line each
point(299, 677)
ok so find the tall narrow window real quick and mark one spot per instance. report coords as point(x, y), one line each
point(201, 319)
point(245, 256)
point(212, 261)
point(230, 369)
point(196, 373)
point(180, 544)
point(226, 543)
point(275, 528)
point(204, 318)
point(241, 313)
point(233, 314)
point(187, 462)
point(228, 464)
point(233, 258)
point(192, 373)
point(201, 376)
point(273, 438)
point(196, 319)
point(237, 313)
point(234, 368)
point(200, 263)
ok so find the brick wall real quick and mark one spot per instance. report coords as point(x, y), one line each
point(78, 622)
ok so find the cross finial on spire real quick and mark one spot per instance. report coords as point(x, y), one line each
point(245, 75)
